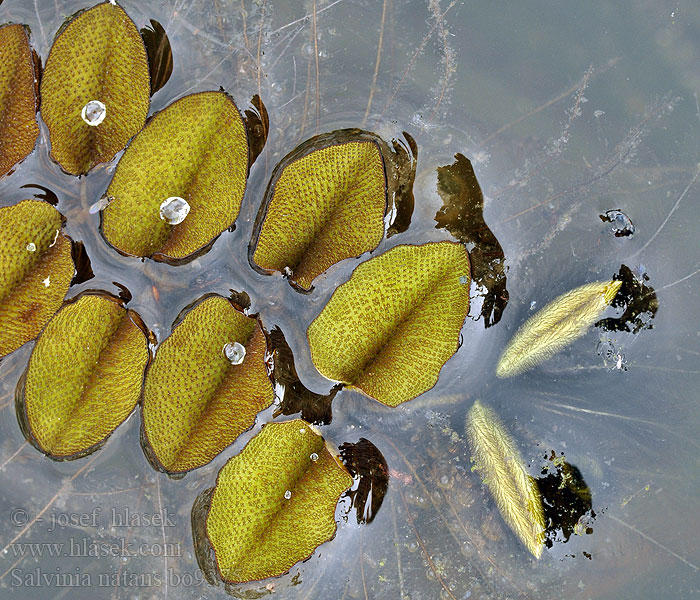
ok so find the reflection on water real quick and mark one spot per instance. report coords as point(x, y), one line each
point(562, 121)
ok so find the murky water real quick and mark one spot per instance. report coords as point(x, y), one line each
point(567, 111)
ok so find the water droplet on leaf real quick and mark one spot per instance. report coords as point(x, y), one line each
point(101, 204)
point(31, 247)
point(94, 112)
point(314, 457)
point(287, 495)
point(235, 353)
point(174, 210)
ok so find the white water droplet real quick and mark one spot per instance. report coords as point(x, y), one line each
point(287, 495)
point(302, 430)
point(47, 282)
point(31, 247)
point(101, 204)
point(235, 353)
point(94, 112)
point(174, 210)
point(463, 280)
point(314, 457)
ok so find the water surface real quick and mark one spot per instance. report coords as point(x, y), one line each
point(566, 110)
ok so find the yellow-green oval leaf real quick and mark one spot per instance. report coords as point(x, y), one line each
point(325, 202)
point(18, 97)
point(195, 150)
point(274, 503)
point(389, 330)
point(196, 401)
point(84, 376)
point(554, 327)
point(502, 469)
point(99, 56)
point(36, 269)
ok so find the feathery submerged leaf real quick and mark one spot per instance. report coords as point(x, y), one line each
point(502, 469)
point(554, 327)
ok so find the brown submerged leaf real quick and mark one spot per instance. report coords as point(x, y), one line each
point(160, 54)
point(463, 216)
point(18, 97)
point(98, 56)
point(368, 466)
point(84, 376)
point(196, 400)
point(403, 160)
point(35, 270)
point(502, 469)
point(296, 397)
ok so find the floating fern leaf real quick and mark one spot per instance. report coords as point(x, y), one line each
point(499, 463)
point(554, 327)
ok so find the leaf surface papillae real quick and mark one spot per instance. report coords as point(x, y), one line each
point(99, 56)
point(196, 403)
point(18, 99)
point(36, 269)
point(84, 376)
point(389, 330)
point(499, 463)
point(321, 207)
point(195, 149)
point(562, 321)
point(256, 531)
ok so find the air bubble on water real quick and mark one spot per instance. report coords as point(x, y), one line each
point(94, 112)
point(314, 457)
point(287, 494)
point(101, 204)
point(622, 225)
point(598, 113)
point(174, 210)
point(235, 353)
point(31, 247)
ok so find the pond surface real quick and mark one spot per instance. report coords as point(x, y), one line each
point(567, 111)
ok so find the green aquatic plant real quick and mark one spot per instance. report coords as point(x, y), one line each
point(391, 327)
point(274, 503)
point(95, 89)
point(19, 77)
point(325, 202)
point(84, 376)
point(36, 269)
point(181, 181)
point(207, 383)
